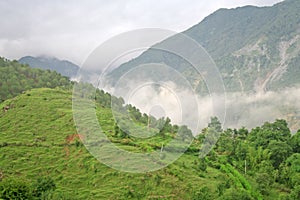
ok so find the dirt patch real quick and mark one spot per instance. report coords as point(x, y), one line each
point(73, 137)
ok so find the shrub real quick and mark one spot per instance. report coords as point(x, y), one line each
point(43, 185)
point(15, 189)
point(203, 194)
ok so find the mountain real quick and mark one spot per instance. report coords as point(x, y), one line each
point(16, 78)
point(44, 154)
point(256, 49)
point(64, 67)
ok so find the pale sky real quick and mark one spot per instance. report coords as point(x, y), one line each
point(72, 29)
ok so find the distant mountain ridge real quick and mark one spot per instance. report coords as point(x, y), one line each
point(64, 67)
point(255, 48)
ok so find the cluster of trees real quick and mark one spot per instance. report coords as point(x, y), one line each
point(269, 154)
point(16, 78)
point(162, 125)
point(128, 118)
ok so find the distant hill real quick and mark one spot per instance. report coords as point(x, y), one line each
point(16, 78)
point(64, 67)
point(255, 48)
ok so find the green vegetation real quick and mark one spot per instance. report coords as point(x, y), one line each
point(20, 189)
point(42, 155)
point(247, 43)
point(38, 139)
point(16, 78)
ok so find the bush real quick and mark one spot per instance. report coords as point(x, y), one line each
point(202, 165)
point(15, 189)
point(20, 189)
point(232, 194)
point(203, 194)
point(295, 194)
point(43, 185)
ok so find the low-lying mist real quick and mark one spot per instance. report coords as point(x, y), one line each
point(183, 106)
point(251, 110)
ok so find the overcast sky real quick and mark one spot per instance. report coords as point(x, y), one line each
point(71, 29)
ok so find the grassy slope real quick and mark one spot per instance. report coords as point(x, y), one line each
point(33, 139)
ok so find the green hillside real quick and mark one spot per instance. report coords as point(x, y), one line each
point(16, 78)
point(34, 143)
point(39, 142)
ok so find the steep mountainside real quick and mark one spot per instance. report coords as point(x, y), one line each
point(255, 48)
point(63, 67)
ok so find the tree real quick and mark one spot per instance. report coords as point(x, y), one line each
point(295, 142)
point(277, 131)
point(242, 133)
point(241, 150)
point(279, 152)
point(295, 194)
point(185, 133)
point(166, 127)
point(264, 181)
point(215, 124)
point(226, 143)
point(290, 170)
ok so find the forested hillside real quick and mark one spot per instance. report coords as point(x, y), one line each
point(256, 49)
point(39, 139)
point(16, 78)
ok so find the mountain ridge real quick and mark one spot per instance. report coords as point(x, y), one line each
point(226, 32)
point(64, 67)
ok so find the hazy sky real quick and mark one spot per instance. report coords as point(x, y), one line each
point(71, 29)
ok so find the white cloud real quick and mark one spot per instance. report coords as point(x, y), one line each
point(72, 29)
